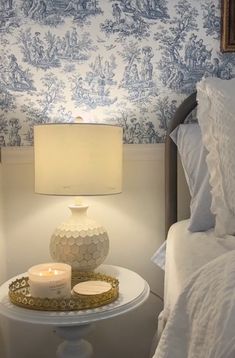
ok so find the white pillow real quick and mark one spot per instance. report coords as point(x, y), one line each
point(188, 139)
point(216, 117)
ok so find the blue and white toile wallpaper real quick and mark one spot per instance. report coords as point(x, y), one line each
point(129, 62)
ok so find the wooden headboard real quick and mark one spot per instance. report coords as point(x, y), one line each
point(186, 107)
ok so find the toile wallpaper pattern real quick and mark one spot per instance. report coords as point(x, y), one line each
point(129, 62)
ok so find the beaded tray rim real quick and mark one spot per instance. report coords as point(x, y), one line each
point(20, 296)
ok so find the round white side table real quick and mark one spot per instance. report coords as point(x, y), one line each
point(73, 326)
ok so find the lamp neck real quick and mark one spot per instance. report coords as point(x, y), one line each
point(78, 210)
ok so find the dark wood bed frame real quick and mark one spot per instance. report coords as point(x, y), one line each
point(186, 107)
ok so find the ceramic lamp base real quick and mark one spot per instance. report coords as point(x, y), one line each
point(80, 241)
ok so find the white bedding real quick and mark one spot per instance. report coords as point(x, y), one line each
point(202, 322)
point(186, 252)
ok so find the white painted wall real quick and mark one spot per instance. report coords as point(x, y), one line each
point(3, 333)
point(134, 220)
point(2, 236)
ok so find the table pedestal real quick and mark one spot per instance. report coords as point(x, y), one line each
point(74, 346)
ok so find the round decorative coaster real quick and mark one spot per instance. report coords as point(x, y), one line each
point(89, 288)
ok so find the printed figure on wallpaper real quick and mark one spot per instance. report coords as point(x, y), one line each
point(7, 101)
point(3, 130)
point(164, 111)
point(196, 54)
point(94, 88)
point(186, 58)
point(47, 108)
point(135, 131)
point(211, 19)
point(129, 17)
point(150, 9)
point(224, 65)
point(125, 23)
point(9, 132)
point(138, 72)
point(14, 137)
point(40, 111)
point(13, 77)
point(199, 61)
point(53, 12)
point(47, 51)
point(80, 9)
point(63, 115)
point(8, 17)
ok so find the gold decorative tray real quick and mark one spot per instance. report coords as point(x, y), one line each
point(19, 294)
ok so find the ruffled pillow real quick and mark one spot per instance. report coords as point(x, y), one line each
point(216, 117)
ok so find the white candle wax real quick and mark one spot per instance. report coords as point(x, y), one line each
point(51, 280)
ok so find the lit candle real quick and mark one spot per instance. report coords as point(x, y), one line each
point(51, 280)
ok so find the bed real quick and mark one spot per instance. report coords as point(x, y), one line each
point(198, 319)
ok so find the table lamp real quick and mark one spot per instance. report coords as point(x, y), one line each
point(78, 159)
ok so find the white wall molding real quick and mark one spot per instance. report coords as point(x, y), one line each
point(16, 155)
point(143, 151)
point(137, 152)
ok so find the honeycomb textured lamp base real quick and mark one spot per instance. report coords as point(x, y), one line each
point(80, 241)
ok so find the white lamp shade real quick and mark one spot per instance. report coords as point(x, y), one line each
point(78, 159)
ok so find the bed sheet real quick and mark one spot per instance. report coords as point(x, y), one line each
point(186, 252)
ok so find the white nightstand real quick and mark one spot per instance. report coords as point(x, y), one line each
point(73, 326)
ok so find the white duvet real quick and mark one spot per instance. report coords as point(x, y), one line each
point(202, 322)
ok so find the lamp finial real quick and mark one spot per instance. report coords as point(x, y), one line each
point(79, 119)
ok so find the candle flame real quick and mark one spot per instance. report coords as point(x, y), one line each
point(49, 272)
